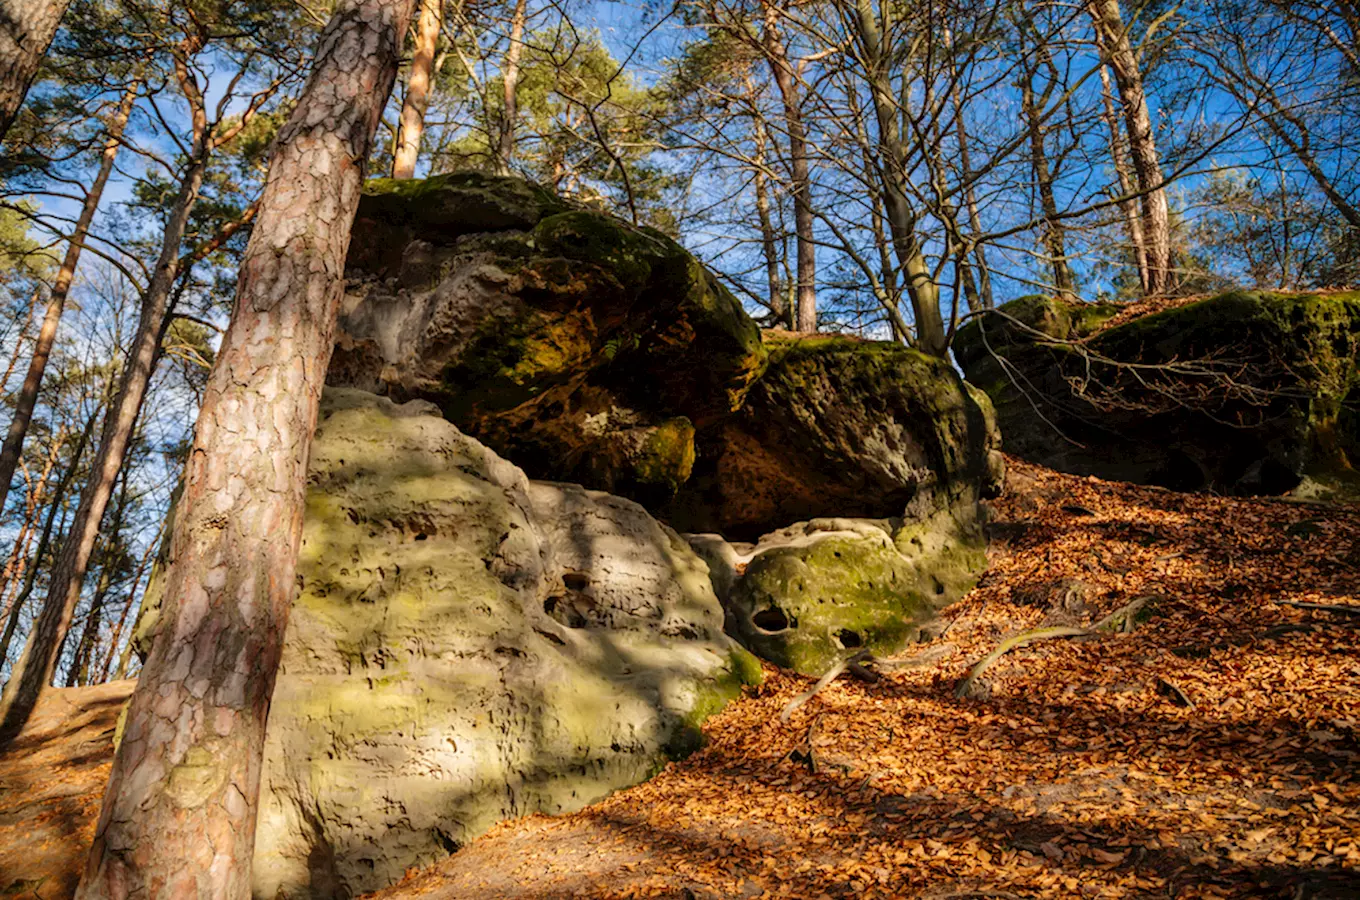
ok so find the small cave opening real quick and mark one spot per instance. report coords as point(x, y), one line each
point(575, 581)
point(771, 621)
point(850, 640)
point(565, 612)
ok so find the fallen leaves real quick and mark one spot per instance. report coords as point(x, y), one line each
point(1080, 775)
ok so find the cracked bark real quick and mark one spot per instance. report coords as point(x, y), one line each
point(179, 812)
point(26, 31)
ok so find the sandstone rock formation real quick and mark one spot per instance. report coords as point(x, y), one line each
point(1245, 392)
point(588, 350)
point(468, 646)
point(808, 595)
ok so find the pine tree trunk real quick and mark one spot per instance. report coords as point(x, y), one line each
point(1114, 40)
point(89, 632)
point(132, 596)
point(417, 99)
point(179, 811)
point(505, 152)
point(44, 540)
point(27, 398)
point(26, 31)
point(805, 296)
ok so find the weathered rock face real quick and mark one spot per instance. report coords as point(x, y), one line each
point(468, 646)
point(582, 348)
point(808, 595)
point(838, 426)
point(587, 350)
point(1247, 393)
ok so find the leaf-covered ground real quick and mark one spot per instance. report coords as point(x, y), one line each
point(1212, 752)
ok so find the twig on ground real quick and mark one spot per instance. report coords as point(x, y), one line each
point(821, 684)
point(1012, 643)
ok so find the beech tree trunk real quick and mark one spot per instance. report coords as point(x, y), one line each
point(27, 398)
point(505, 150)
point(417, 100)
point(922, 289)
point(1128, 206)
point(26, 31)
point(1054, 241)
point(805, 294)
point(1113, 38)
point(33, 670)
point(179, 811)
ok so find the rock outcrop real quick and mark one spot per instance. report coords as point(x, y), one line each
point(468, 646)
point(842, 427)
point(588, 350)
point(1245, 392)
point(809, 595)
point(582, 348)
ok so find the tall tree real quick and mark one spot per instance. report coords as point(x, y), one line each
point(34, 669)
point(417, 100)
point(179, 810)
point(27, 398)
point(26, 31)
point(514, 52)
point(1112, 37)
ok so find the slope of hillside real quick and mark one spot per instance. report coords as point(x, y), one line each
point(1210, 752)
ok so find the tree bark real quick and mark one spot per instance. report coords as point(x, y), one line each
point(417, 100)
point(505, 148)
point(179, 811)
point(132, 596)
point(1128, 206)
point(26, 31)
point(768, 239)
point(922, 290)
point(44, 540)
point(805, 296)
point(27, 398)
point(1113, 40)
point(110, 551)
point(1054, 241)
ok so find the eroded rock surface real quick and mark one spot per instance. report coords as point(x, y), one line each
point(468, 646)
point(1244, 392)
point(590, 351)
point(808, 595)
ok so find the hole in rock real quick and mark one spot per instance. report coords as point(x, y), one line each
point(565, 612)
point(850, 640)
point(575, 581)
point(771, 621)
point(939, 587)
point(422, 536)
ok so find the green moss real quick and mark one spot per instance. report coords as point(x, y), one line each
point(835, 594)
point(667, 454)
point(625, 252)
point(459, 202)
point(742, 669)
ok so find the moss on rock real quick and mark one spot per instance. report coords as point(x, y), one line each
point(1244, 392)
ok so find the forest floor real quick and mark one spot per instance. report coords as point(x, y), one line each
point(1212, 751)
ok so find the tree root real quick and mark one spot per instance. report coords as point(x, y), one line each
point(822, 683)
point(1039, 634)
point(1123, 620)
point(1322, 607)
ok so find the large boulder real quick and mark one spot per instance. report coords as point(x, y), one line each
point(838, 426)
point(581, 347)
point(808, 596)
point(591, 351)
point(467, 646)
point(1244, 392)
